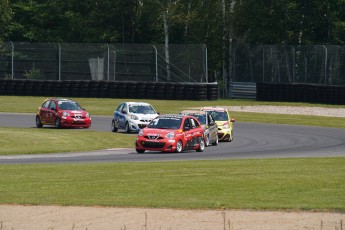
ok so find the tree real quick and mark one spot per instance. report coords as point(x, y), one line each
point(6, 16)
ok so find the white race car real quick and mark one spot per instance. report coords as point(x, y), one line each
point(132, 116)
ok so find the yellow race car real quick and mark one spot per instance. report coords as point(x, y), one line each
point(224, 122)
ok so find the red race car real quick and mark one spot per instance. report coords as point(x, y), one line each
point(171, 133)
point(62, 113)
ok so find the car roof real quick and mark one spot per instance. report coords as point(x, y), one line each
point(218, 109)
point(189, 112)
point(177, 116)
point(58, 99)
point(136, 103)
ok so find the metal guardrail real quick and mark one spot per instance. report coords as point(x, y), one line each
point(245, 90)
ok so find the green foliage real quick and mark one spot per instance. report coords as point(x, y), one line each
point(5, 20)
point(34, 73)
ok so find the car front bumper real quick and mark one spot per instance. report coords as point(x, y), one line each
point(73, 122)
point(224, 134)
point(156, 145)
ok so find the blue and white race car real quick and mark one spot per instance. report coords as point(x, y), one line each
point(132, 116)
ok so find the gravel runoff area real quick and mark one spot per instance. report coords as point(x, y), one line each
point(73, 218)
point(312, 111)
point(16, 217)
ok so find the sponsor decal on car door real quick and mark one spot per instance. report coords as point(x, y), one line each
point(52, 113)
point(188, 134)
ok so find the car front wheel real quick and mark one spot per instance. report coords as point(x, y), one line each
point(38, 122)
point(231, 138)
point(179, 146)
point(207, 141)
point(113, 126)
point(128, 130)
point(58, 123)
point(216, 141)
point(201, 145)
point(140, 150)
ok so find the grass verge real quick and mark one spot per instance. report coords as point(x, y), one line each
point(50, 140)
point(274, 184)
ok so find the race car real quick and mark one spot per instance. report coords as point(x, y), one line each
point(208, 123)
point(224, 122)
point(171, 133)
point(62, 113)
point(132, 116)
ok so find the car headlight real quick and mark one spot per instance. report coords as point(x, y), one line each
point(87, 115)
point(141, 133)
point(65, 114)
point(170, 135)
point(133, 117)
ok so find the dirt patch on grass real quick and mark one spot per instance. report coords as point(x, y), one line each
point(17, 217)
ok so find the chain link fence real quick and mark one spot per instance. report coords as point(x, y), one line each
point(316, 64)
point(112, 62)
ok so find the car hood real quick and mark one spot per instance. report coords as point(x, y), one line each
point(145, 116)
point(221, 123)
point(161, 132)
point(74, 112)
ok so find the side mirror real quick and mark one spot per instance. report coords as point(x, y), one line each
point(232, 120)
point(123, 112)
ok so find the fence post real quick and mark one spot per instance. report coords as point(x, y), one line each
point(205, 63)
point(59, 61)
point(12, 60)
point(114, 63)
point(325, 63)
point(263, 63)
point(293, 64)
point(156, 62)
point(108, 63)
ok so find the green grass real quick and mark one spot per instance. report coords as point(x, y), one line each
point(265, 184)
point(50, 140)
point(274, 184)
point(106, 106)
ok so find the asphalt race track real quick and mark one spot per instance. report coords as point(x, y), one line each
point(251, 140)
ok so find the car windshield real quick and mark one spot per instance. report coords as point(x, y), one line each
point(219, 116)
point(201, 118)
point(69, 105)
point(142, 109)
point(165, 123)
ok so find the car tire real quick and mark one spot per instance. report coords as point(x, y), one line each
point(58, 123)
point(140, 150)
point(179, 146)
point(113, 126)
point(38, 122)
point(231, 138)
point(207, 141)
point(216, 141)
point(128, 130)
point(201, 145)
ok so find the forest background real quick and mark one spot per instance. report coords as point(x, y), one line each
point(219, 24)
